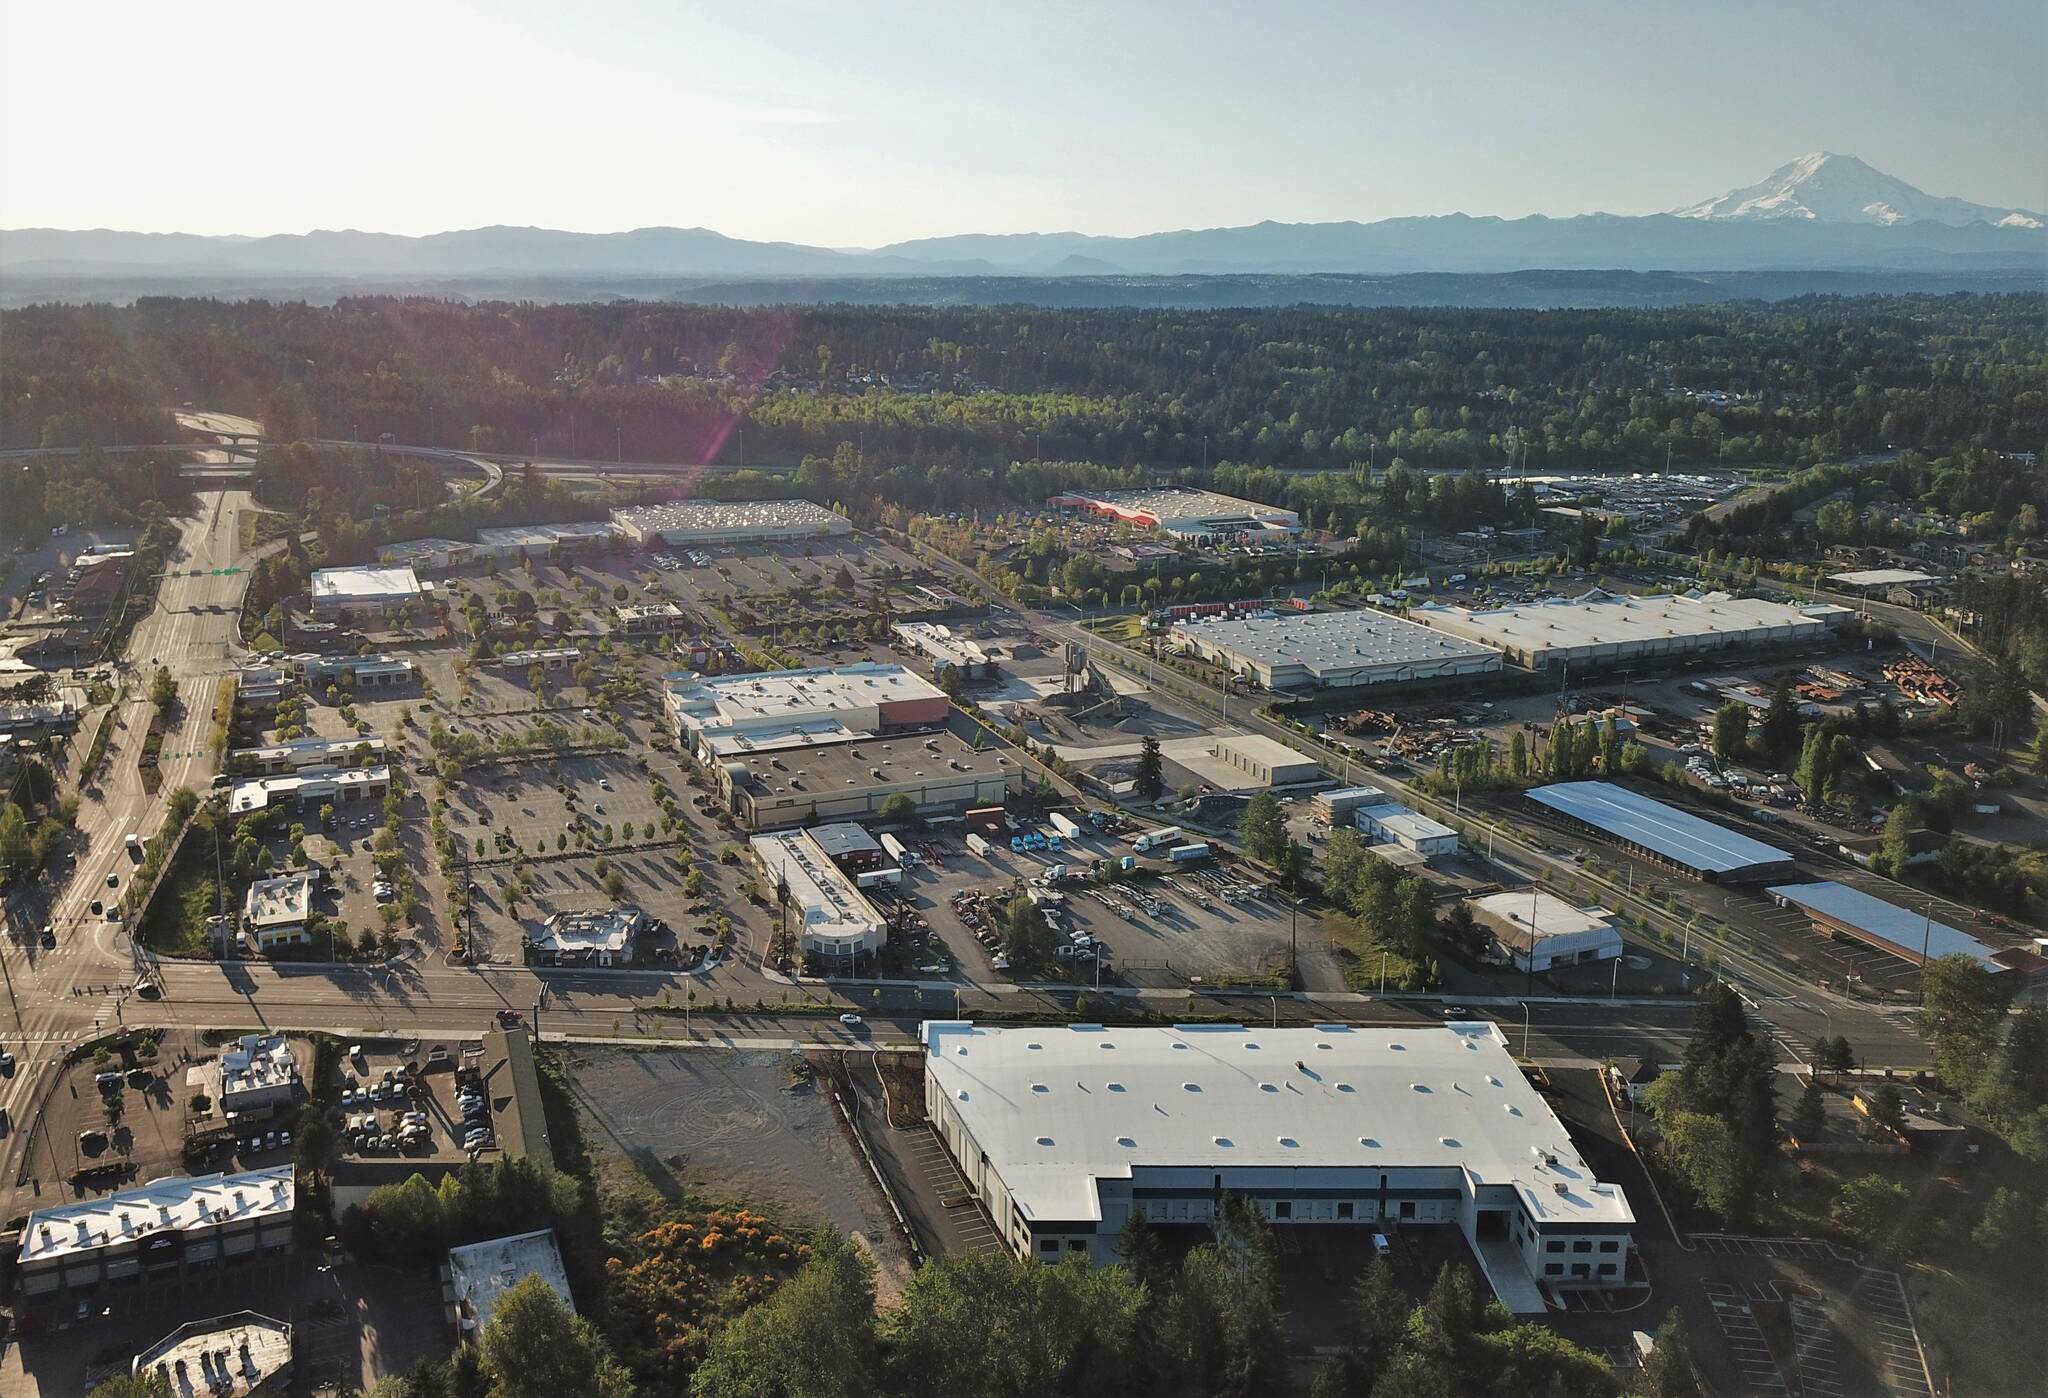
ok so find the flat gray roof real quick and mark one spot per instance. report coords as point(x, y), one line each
point(1900, 928)
point(1332, 641)
point(1677, 835)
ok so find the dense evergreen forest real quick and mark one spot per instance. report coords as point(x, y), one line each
point(1790, 382)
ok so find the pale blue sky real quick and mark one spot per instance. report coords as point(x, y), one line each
point(826, 122)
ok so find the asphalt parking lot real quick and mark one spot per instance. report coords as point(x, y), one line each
point(1198, 930)
point(374, 1087)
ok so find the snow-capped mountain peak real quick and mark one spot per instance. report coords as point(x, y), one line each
point(1830, 188)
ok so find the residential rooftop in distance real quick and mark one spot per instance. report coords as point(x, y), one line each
point(1712, 852)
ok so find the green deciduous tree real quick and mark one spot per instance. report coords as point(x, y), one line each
point(814, 1338)
point(536, 1347)
point(1263, 827)
point(1961, 1008)
point(984, 1324)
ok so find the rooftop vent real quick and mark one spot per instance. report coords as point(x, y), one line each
point(1125, 1141)
point(1220, 1140)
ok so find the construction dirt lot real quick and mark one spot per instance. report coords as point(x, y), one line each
point(750, 1125)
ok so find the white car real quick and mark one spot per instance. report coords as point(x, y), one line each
point(851, 1021)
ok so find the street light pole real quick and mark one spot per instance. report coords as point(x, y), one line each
point(1525, 1029)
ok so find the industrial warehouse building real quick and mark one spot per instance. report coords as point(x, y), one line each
point(1837, 910)
point(736, 714)
point(832, 917)
point(1332, 650)
point(1709, 852)
point(1604, 628)
point(946, 649)
point(726, 521)
point(367, 591)
point(940, 771)
point(165, 1229)
point(1537, 930)
point(503, 543)
point(1063, 1132)
point(792, 747)
point(1390, 822)
point(1199, 515)
point(1266, 760)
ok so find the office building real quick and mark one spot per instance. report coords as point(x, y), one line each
point(830, 915)
point(275, 911)
point(243, 1355)
point(1063, 1131)
point(364, 591)
point(1389, 822)
point(162, 1230)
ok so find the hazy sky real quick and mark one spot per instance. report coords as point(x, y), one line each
point(826, 122)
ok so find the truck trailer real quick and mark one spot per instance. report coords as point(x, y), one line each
point(1182, 854)
point(980, 846)
point(1153, 839)
point(1066, 825)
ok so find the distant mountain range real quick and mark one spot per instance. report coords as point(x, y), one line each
point(1822, 212)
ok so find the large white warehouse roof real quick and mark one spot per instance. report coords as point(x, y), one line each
point(1057, 1108)
point(1623, 624)
point(1349, 647)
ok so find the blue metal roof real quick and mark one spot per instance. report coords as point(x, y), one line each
point(1897, 927)
point(1677, 835)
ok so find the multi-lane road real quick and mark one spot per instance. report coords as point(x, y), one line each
point(192, 631)
point(84, 984)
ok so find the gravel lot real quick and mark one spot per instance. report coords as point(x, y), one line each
point(739, 1126)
